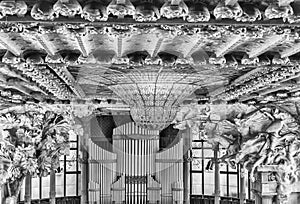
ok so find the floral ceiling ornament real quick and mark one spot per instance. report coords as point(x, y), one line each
point(121, 8)
point(94, 11)
point(146, 11)
point(32, 139)
point(250, 13)
point(198, 12)
point(43, 10)
point(249, 61)
point(232, 11)
point(217, 60)
point(10, 58)
point(33, 58)
point(54, 59)
point(276, 11)
point(68, 8)
point(174, 9)
point(12, 7)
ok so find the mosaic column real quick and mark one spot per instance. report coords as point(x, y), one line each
point(186, 164)
point(217, 176)
point(84, 159)
point(27, 189)
point(52, 193)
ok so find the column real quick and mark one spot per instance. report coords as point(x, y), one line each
point(52, 193)
point(83, 139)
point(217, 175)
point(27, 190)
point(1, 195)
point(242, 186)
point(186, 165)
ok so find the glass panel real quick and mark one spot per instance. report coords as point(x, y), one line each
point(35, 184)
point(223, 167)
point(71, 165)
point(72, 155)
point(197, 164)
point(233, 187)
point(196, 183)
point(232, 169)
point(223, 184)
point(196, 144)
point(196, 135)
point(209, 183)
point(79, 184)
point(45, 186)
point(197, 153)
point(22, 191)
point(73, 144)
point(207, 145)
point(72, 136)
point(70, 184)
point(59, 181)
point(208, 153)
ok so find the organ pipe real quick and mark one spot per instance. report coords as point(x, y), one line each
point(135, 171)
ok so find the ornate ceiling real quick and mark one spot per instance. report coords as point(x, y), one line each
point(70, 50)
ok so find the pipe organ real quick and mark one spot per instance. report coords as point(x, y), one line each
point(136, 171)
point(102, 165)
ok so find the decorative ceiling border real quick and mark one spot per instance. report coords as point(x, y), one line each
point(192, 11)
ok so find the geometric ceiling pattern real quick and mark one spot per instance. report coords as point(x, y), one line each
point(68, 50)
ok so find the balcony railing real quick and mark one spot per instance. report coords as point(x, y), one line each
point(65, 200)
point(204, 199)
